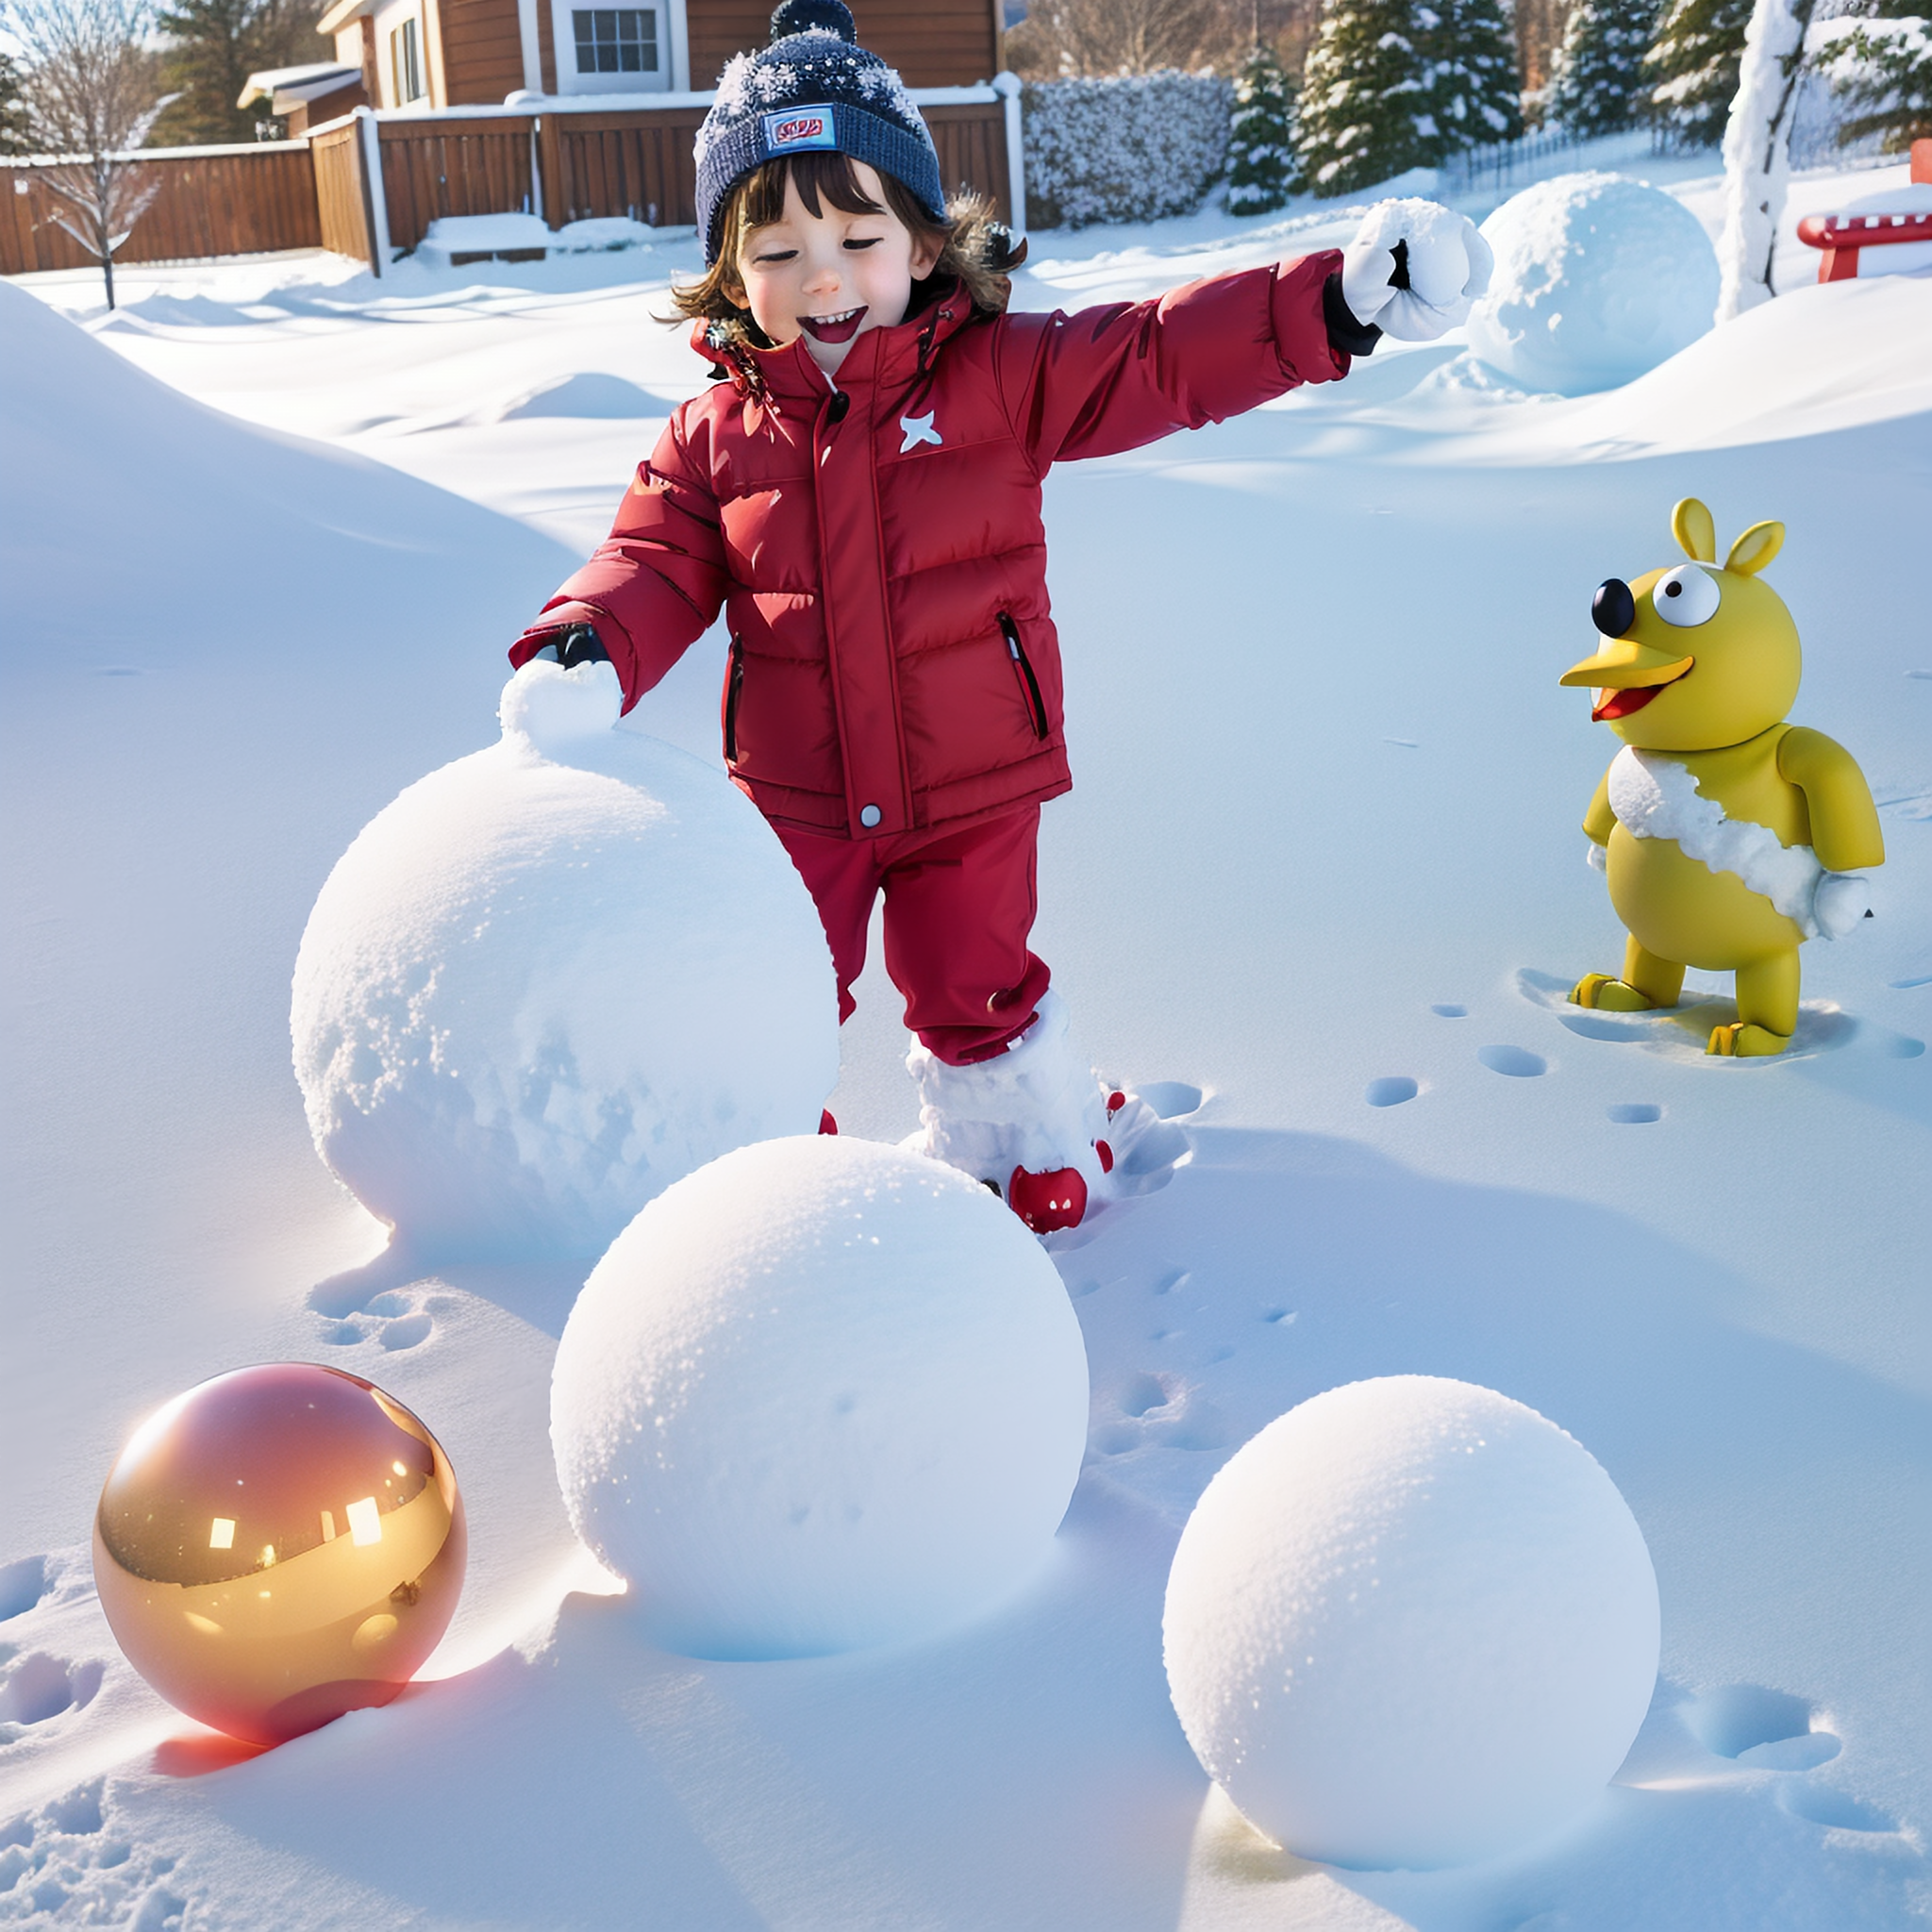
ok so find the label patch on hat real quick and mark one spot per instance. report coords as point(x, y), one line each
point(800, 127)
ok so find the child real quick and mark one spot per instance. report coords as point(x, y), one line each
point(861, 494)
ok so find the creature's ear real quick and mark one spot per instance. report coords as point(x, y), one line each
point(1696, 535)
point(1756, 548)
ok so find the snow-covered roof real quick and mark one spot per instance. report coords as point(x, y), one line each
point(292, 86)
point(341, 13)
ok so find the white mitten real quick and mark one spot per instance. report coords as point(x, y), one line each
point(1841, 900)
point(1414, 269)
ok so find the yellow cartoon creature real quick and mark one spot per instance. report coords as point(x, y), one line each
point(1729, 837)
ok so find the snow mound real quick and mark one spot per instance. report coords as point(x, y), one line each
point(824, 1393)
point(599, 233)
point(589, 393)
point(1410, 1624)
point(552, 978)
point(1598, 278)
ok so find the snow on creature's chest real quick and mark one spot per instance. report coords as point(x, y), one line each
point(1657, 797)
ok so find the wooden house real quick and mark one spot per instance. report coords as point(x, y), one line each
point(457, 52)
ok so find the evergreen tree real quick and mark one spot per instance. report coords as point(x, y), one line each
point(1260, 150)
point(212, 47)
point(1475, 86)
point(15, 139)
point(1881, 66)
point(1698, 49)
point(1600, 84)
point(1365, 111)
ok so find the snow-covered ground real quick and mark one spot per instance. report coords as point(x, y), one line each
point(1323, 854)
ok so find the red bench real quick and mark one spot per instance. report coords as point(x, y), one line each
point(1841, 237)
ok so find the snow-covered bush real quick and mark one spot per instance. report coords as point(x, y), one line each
point(1882, 69)
point(1600, 84)
point(1598, 278)
point(1261, 167)
point(1129, 148)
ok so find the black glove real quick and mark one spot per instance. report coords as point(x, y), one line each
point(571, 647)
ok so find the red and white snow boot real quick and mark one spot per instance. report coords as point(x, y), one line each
point(1032, 1122)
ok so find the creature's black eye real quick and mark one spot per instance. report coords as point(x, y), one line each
point(1613, 610)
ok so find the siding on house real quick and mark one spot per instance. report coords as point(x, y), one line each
point(482, 50)
point(932, 43)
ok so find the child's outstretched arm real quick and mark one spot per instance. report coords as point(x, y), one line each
point(1112, 378)
point(654, 586)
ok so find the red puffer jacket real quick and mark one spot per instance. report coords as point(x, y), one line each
point(879, 546)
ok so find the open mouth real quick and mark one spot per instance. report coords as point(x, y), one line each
point(1633, 697)
point(834, 328)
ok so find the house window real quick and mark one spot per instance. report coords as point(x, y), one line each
point(406, 62)
point(616, 40)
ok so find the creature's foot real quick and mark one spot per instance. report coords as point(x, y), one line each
point(1600, 990)
point(1742, 1040)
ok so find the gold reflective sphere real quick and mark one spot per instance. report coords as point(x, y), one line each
point(280, 1545)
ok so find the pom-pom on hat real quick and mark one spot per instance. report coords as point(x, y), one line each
point(813, 88)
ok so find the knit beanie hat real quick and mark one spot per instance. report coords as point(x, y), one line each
point(813, 88)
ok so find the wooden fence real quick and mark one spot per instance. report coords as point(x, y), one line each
point(369, 186)
point(211, 201)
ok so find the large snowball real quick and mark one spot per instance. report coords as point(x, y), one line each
point(552, 978)
point(1410, 1624)
point(1597, 279)
point(821, 1394)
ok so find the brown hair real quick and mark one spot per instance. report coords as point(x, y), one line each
point(975, 251)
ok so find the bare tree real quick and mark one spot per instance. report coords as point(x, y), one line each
point(92, 92)
point(1102, 37)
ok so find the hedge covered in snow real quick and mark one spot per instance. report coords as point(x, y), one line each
point(1124, 149)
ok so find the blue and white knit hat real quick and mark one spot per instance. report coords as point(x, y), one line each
point(813, 88)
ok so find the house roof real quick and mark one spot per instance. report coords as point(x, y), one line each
point(291, 87)
point(341, 13)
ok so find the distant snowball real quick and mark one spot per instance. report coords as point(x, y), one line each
point(822, 1394)
point(555, 977)
point(1410, 1624)
point(1598, 278)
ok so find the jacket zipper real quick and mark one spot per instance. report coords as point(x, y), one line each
point(1035, 705)
point(734, 683)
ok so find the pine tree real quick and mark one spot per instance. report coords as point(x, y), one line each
point(1698, 49)
point(1600, 84)
point(1260, 150)
point(1476, 85)
point(1365, 113)
point(213, 46)
point(1881, 66)
point(15, 139)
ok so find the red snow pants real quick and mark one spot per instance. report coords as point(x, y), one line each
point(959, 908)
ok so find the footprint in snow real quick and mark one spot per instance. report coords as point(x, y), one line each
point(395, 1320)
point(1154, 1411)
point(38, 1688)
point(66, 1861)
point(23, 1585)
point(1516, 1062)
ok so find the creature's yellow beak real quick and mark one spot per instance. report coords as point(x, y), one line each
point(1623, 664)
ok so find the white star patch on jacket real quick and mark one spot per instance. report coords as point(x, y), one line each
point(918, 429)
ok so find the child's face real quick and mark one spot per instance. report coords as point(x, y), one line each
point(832, 275)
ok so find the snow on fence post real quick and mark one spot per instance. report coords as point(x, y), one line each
point(1006, 85)
point(1757, 152)
point(375, 201)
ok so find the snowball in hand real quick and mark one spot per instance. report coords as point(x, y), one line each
point(822, 1394)
point(552, 977)
point(1446, 264)
point(1598, 279)
point(1410, 1624)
